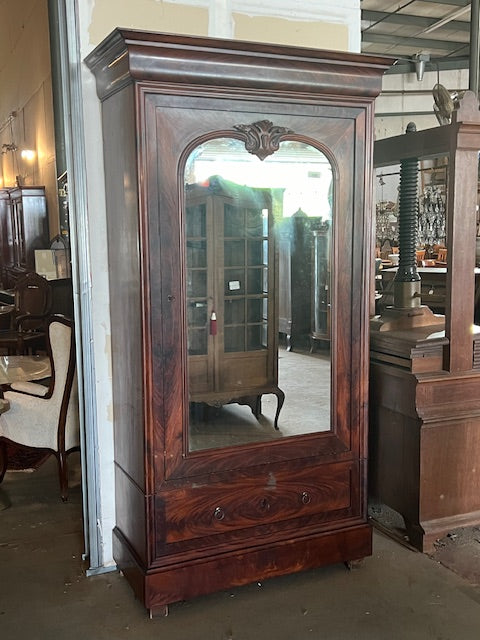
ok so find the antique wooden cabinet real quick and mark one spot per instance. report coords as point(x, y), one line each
point(295, 242)
point(6, 248)
point(425, 380)
point(232, 316)
point(210, 499)
point(321, 285)
point(24, 224)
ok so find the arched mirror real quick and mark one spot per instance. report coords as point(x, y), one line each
point(258, 236)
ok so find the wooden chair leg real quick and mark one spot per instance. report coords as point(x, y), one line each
point(63, 475)
point(3, 459)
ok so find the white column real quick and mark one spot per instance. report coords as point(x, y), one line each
point(220, 23)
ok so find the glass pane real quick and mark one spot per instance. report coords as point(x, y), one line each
point(234, 311)
point(196, 253)
point(197, 314)
point(197, 283)
point(197, 342)
point(254, 225)
point(234, 222)
point(234, 339)
point(255, 281)
point(255, 309)
point(258, 253)
point(196, 221)
point(255, 337)
point(255, 252)
point(234, 253)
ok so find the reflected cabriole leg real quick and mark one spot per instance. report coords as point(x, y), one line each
point(281, 399)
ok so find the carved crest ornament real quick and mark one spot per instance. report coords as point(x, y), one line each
point(262, 137)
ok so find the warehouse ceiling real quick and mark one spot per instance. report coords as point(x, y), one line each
point(438, 32)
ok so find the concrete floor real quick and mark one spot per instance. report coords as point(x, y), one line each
point(397, 594)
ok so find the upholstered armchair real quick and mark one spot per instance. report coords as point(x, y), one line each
point(42, 417)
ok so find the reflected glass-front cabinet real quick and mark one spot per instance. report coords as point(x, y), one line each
point(321, 285)
point(236, 459)
point(231, 314)
point(24, 228)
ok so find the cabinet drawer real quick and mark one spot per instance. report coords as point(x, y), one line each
point(206, 510)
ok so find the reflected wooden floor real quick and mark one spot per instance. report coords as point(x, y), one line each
point(305, 380)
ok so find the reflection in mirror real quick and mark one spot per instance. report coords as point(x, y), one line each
point(258, 269)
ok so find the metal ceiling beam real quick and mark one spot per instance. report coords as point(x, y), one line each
point(438, 64)
point(409, 20)
point(417, 43)
point(474, 47)
point(457, 3)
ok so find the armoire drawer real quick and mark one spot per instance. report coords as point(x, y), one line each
point(198, 511)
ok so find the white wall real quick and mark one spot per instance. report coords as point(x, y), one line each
point(323, 24)
point(26, 107)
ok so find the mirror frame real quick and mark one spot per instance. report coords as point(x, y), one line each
point(335, 132)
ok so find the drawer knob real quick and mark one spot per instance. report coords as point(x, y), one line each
point(219, 513)
point(306, 497)
point(265, 504)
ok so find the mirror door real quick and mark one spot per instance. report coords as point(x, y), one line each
point(257, 284)
point(258, 269)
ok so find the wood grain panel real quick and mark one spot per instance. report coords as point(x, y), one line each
point(262, 67)
point(201, 511)
point(450, 481)
point(261, 562)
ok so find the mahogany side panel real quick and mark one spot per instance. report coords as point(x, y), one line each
point(127, 314)
point(131, 514)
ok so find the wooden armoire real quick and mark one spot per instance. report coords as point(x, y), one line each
point(192, 520)
point(24, 228)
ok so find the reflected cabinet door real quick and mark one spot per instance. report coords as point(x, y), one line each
point(229, 299)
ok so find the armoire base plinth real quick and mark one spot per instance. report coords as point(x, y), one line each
point(161, 586)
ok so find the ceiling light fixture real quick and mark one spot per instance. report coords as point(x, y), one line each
point(28, 154)
point(420, 60)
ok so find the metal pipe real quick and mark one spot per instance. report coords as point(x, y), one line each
point(474, 46)
point(58, 109)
